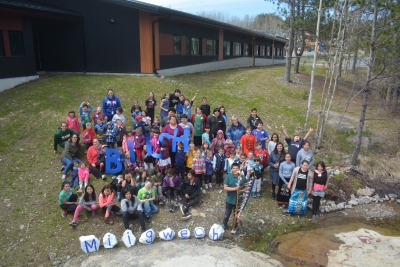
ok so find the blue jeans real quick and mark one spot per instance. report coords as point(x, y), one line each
point(62, 144)
point(68, 164)
point(149, 208)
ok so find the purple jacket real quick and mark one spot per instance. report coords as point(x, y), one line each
point(139, 141)
point(176, 180)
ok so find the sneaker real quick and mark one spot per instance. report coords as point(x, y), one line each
point(62, 168)
point(79, 191)
point(114, 177)
point(233, 231)
point(183, 210)
point(72, 223)
point(93, 213)
point(253, 194)
point(258, 194)
point(317, 216)
point(187, 216)
point(103, 176)
point(148, 219)
point(206, 186)
point(175, 208)
point(110, 221)
point(64, 213)
point(170, 208)
point(63, 178)
point(285, 213)
point(107, 220)
point(313, 217)
point(210, 185)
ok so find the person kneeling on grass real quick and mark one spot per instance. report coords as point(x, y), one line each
point(146, 195)
point(131, 208)
point(191, 192)
point(67, 199)
point(87, 201)
point(232, 184)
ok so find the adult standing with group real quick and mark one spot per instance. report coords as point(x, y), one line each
point(216, 122)
point(110, 105)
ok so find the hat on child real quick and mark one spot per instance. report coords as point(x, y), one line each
point(138, 118)
point(110, 123)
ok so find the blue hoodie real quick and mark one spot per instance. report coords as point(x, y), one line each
point(235, 133)
point(110, 106)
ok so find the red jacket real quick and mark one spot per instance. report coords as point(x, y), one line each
point(73, 123)
point(88, 136)
point(92, 155)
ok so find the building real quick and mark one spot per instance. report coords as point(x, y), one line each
point(121, 36)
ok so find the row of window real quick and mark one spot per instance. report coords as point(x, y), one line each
point(193, 47)
point(16, 43)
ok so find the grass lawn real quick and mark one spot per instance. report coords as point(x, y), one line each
point(30, 180)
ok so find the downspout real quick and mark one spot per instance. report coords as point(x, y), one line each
point(154, 43)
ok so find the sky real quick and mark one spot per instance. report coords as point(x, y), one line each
point(230, 8)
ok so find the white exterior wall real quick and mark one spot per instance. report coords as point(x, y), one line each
point(9, 83)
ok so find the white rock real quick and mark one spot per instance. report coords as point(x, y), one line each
point(184, 233)
point(353, 202)
point(147, 237)
point(216, 232)
point(167, 234)
point(340, 206)
point(89, 243)
point(109, 240)
point(199, 232)
point(128, 238)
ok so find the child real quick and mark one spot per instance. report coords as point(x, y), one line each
point(147, 161)
point(204, 148)
point(229, 148)
point(146, 122)
point(320, 183)
point(305, 154)
point(180, 161)
point(97, 114)
point(208, 158)
point(118, 116)
point(238, 152)
point(257, 168)
point(83, 174)
point(151, 103)
point(191, 193)
point(250, 159)
point(126, 182)
point(87, 201)
point(218, 142)
point(147, 195)
point(205, 108)
point(189, 157)
point(286, 169)
point(229, 161)
point(100, 129)
point(158, 189)
point(74, 178)
point(121, 159)
point(171, 184)
point(179, 107)
point(164, 105)
point(155, 141)
point(135, 113)
point(101, 157)
point(135, 106)
point(107, 205)
point(199, 167)
point(84, 112)
point(67, 199)
point(263, 155)
point(165, 160)
point(139, 141)
point(272, 143)
point(219, 167)
point(187, 106)
point(247, 141)
point(120, 132)
point(253, 120)
point(156, 124)
point(88, 135)
point(73, 122)
point(185, 124)
point(243, 166)
point(206, 136)
point(261, 134)
point(131, 208)
point(110, 134)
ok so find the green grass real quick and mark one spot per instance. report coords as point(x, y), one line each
point(30, 114)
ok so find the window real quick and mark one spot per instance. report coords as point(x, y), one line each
point(2, 53)
point(227, 48)
point(192, 46)
point(268, 51)
point(248, 49)
point(211, 47)
point(263, 51)
point(16, 43)
point(238, 49)
point(256, 50)
point(177, 45)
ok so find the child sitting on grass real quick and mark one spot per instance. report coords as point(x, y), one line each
point(74, 178)
point(171, 185)
point(87, 201)
point(107, 205)
point(67, 199)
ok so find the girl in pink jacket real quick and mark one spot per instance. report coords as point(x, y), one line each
point(83, 175)
point(107, 205)
point(72, 122)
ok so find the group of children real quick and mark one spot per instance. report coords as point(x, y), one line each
point(181, 179)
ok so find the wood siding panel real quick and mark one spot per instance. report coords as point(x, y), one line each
point(157, 44)
point(221, 45)
point(10, 21)
point(146, 42)
point(166, 44)
point(7, 50)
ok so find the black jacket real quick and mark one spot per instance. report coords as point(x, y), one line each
point(215, 124)
point(193, 190)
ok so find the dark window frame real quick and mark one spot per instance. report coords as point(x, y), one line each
point(238, 45)
point(20, 45)
point(2, 50)
point(176, 53)
point(227, 52)
point(256, 50)
point(189, 46)
point(214, 44)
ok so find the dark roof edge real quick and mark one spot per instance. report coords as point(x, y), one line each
point(29, 5)
point(163, 11)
